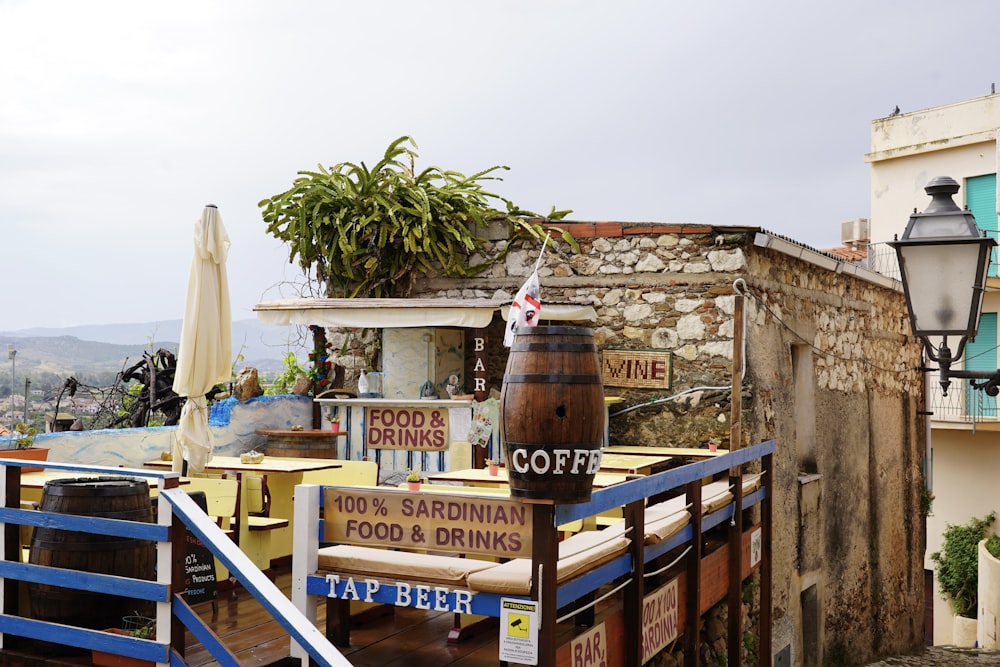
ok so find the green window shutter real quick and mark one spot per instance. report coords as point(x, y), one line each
point(981, 355)
point(981, 198)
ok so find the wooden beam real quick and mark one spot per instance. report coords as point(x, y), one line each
point(735, 630)
point(692, 624)
point(545, 553)
point(766, 568)
point(635, 520)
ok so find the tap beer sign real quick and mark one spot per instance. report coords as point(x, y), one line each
point(421, 429)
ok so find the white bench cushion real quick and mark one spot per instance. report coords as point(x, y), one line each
point(716, 495)
point(577, 554)
point(375, 562)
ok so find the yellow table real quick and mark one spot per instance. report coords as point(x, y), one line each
point(283, 473)
point(690, 452)
point(633, 464)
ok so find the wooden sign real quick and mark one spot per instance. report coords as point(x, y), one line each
point(479, 374)
point(436, 522)
point(659, 619)
point(591, 648)
point(200, 583)
point(421, 429)
point(644, 369)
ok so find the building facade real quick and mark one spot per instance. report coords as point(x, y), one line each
point(957, 140)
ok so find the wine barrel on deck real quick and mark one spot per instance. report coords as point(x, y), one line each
point(110, 497)
point(552, 413)
point(312, 444)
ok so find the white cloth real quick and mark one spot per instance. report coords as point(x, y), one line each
point(204, 357)
point(525, 309)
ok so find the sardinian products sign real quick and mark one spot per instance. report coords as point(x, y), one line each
point(435, 522)
point(420, 429)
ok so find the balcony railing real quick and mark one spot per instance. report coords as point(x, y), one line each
point(962, 404)
point(882, 259)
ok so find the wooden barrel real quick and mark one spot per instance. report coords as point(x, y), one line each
point(111, 497)
point(311, 444)
point(552, 413)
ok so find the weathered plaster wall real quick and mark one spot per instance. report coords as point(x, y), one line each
point(232, 424)
point(853, 486)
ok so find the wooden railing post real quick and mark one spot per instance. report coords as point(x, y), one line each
point(692, 605)
point(12, 537)
point(545, 553)
point(735, 630)
point(635, 522)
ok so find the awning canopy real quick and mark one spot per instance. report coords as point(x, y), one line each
point(403, 313)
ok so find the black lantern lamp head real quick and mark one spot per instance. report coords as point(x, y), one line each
point(943, 259)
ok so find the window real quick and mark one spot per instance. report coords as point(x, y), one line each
point(981, 355)
point(981, 198)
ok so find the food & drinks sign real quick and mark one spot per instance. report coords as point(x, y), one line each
point(403, 519)
point(420, 429)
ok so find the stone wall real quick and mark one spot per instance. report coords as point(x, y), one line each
point(665, 287)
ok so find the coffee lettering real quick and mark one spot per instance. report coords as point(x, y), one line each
point(554, 462)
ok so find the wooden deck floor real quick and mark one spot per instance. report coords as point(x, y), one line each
point(409, 637)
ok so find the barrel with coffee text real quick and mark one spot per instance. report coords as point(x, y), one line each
point(552, 413)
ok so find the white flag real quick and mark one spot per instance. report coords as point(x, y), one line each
point(525, 310)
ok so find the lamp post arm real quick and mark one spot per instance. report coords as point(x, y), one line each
point(989, 380)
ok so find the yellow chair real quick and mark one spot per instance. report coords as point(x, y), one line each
point(221, 495)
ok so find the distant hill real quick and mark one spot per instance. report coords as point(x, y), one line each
point(105, 347)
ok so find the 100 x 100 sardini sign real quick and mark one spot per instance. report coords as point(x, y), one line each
point(405, 519)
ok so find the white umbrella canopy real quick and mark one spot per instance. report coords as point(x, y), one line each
point(204, 357)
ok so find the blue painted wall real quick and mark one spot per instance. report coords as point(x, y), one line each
point(232, 423)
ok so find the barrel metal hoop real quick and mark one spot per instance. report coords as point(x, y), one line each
point(553, 347)
point(552, 378)
point(584, 446)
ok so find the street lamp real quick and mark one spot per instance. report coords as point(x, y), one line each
point(943, 257)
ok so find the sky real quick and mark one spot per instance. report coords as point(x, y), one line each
point(119, 121)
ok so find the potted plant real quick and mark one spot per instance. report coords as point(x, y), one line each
point(713, 443)
point(957, 570)
point(22, 446)
point(139, 627)
point(413, 480)
point(335, 424)
point(493, 466)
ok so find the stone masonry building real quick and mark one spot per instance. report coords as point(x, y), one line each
point(830, 374)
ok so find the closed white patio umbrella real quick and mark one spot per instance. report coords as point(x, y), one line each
point(204, 357)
